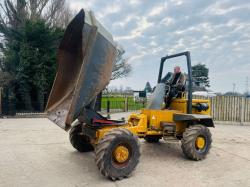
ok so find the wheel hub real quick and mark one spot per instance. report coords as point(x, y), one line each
point(200, 142)
point(121, 154)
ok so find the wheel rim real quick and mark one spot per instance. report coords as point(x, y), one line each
point(121, 154)
point(200, 143)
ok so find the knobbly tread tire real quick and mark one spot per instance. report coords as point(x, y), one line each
point(79, 142)
point(152, 139)
point(104, 150)
point(188, 142)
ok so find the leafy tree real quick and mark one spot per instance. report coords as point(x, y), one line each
point(200, 74)
point(29, 36)
point(5, 79)
point(36, 69)
point(148, 87)
point(28, 50)
point(14, 15)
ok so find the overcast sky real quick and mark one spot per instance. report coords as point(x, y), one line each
point(217, 33)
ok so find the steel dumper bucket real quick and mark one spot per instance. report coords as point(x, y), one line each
point(84, 65)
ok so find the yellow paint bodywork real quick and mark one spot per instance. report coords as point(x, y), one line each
point(148, 122)
point(181, 105)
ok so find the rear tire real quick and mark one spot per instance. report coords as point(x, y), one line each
point(152, 139)
point(191, 147)
point(79, 141)
point(107, 159)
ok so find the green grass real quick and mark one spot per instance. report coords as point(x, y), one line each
point(119, 103)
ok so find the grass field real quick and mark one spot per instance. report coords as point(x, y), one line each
point(119, 103)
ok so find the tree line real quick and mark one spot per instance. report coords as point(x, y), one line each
point(30, 32)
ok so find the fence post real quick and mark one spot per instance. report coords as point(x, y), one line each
point(108, 109)
point(242, 111)
point(1, 102)
point(126, 104)
point(143, 103)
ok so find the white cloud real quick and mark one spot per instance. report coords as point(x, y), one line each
point(180, 44)
point(134, 2)
point(202, 27)
point(221, 8)
point(124, 22)
point(134, 59)
point(109, 9)
point(206, 45)
point(142, 25)
point(77, 5)
point(167, 21)
point(153, 43)
point(176, 2)
point(113, 8)
point(157, 10)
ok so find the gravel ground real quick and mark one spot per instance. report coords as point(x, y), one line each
point(35, 152)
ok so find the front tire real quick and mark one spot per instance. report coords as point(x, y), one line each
point(79, 141)
point(117, 153)
point(196, 142)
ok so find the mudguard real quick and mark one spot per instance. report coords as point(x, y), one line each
point(198, 118)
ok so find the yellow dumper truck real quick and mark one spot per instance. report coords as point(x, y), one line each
point(85, 60)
